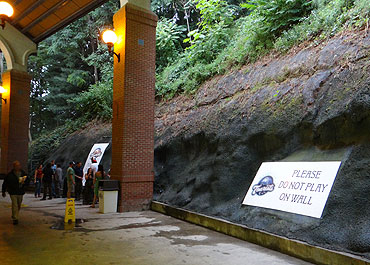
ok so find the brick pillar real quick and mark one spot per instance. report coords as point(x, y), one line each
point(133, 107)
point(14, 119)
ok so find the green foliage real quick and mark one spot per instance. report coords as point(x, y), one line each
point(210, 52)
point(207, 41)
point(326, 21)
point(169, 37)
point(219, 45)
point(95, 103)
point(279, 15)
point(212, 34)
point(48, 141)
point(213, 12)
point(182, 12)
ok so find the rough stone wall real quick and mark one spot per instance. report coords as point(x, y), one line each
point(310, 105)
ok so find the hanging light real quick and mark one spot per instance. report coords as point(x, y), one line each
point(110, 38)
point(2, 91)
point(6, 11)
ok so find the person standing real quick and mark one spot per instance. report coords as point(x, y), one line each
point(70, 179)
point(101, 170)
point(47, 181)
point(37, 181)
point(79, 176)
point(14, 184)
point(97, 178)
point(53, 167)
point(58, 180)
point(89, 188)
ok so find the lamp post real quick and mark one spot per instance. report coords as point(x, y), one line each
point(110, 38)
point(6, 11)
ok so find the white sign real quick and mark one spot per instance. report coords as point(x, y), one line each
point(97, 151)
point(295, 187)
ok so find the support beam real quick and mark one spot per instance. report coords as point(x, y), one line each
point(27, 11)
point(78, 14)
point(14, 119)
point(133, 107)
point(45, 15)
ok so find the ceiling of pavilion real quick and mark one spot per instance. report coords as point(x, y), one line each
point(38, 19)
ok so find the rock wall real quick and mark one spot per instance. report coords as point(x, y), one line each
point(310, 105)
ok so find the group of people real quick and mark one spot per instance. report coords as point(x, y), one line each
point(51, 177)
point(56, 185)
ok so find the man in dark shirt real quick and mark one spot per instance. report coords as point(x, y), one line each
point(47, 180)
point(14, 185)
point(79, 176)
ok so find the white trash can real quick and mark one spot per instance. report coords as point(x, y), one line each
point(108, 196)
point(108, 201)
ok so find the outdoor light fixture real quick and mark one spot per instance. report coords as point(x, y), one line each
point(6, 11)
point(110, 38)
point(2, 90)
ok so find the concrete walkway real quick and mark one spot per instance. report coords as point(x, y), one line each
point(143, 238)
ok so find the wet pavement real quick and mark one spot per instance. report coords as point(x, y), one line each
point(143, 238)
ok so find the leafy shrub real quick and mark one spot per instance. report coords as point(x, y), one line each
point(328, 19)
point(47, 142)
point(95, 103)
point(207, 41)
point(169, 36)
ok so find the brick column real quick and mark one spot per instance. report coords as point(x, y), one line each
point(14, 119)
point(133, 107)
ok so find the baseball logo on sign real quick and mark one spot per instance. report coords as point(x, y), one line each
point(265, 185)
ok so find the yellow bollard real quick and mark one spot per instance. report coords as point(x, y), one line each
point(70, 216)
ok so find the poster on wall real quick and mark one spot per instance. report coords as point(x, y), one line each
point(97, 152)
point(295, 187)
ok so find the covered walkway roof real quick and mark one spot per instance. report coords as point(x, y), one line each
point(38, 19)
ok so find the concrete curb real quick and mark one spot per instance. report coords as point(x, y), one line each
point(293, 248)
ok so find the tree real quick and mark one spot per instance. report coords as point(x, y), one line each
point(67, 64)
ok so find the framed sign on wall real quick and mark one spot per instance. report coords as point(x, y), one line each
point(295, 187)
